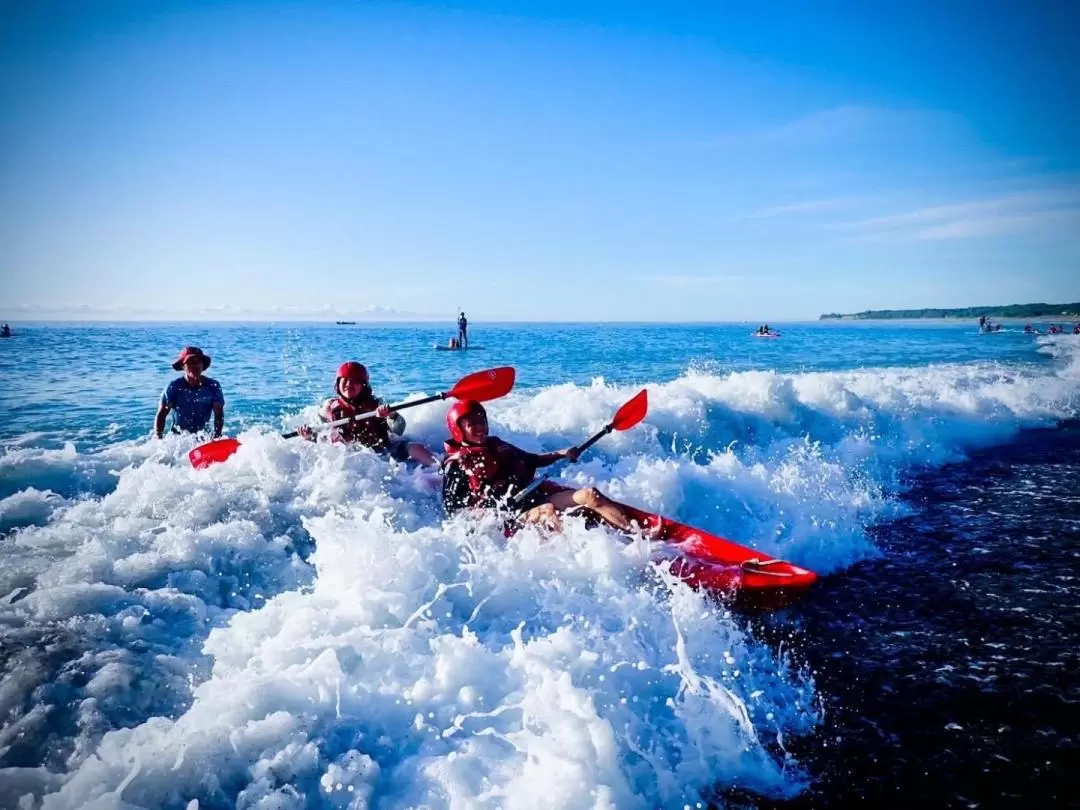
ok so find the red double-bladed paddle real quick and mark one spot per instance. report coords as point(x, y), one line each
point(632, 412)
point(480, 385)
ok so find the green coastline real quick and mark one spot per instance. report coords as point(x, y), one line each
point(1051, 311)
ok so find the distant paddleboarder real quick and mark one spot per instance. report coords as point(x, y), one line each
point(463, 331)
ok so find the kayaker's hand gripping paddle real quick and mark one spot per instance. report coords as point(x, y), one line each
point(632, 412)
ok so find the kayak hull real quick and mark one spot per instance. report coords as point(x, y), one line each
point(774, 335)
point(728, 570)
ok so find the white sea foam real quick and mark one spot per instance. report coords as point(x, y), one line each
point(165, 640)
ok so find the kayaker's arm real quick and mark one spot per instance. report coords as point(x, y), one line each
point(219, 419)
point(455, 489)
point(547, 459)
point(396, 423)
point(394, 420)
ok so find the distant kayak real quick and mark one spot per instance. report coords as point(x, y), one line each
point(439, 348)
point(769, 335)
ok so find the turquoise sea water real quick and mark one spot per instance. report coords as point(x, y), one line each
point(82, 379)
point(301, 627)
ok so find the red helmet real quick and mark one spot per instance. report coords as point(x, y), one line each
point(457, 412)
point(353, 371)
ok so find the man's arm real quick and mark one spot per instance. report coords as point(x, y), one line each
point(219, 418)
point(219, 411)
point(159, 419)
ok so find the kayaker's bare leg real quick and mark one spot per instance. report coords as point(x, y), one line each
point(417, 452)
point(593, 499)
point(543, 515)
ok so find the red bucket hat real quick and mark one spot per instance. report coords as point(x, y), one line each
point(191, 351)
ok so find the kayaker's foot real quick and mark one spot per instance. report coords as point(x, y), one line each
point(651, 528)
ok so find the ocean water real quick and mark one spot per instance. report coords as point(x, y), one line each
point(301, 627)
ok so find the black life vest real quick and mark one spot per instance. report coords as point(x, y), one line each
point(493, 469)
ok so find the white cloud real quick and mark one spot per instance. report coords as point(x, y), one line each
point(1050, 209)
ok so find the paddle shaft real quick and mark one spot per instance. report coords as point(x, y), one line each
point(369, 415)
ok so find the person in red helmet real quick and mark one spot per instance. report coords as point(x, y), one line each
point(482, 471)
point(382, 433)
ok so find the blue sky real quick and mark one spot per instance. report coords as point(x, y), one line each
point(547, 161)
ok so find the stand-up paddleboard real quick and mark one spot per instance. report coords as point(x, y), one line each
point(439, 348)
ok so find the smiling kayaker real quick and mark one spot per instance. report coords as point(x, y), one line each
point(482, 471)
point(382, 433)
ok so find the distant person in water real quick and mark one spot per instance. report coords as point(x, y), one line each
point(5, 331)
point(193, 398)
point(382, 432)
point(462, 330)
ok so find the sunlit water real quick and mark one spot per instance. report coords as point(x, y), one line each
point(301, 627)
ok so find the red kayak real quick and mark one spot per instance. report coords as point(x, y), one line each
point(710, 562)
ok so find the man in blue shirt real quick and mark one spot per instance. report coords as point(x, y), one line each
point(192, 398)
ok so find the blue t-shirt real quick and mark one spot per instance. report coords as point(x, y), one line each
point(192, 406)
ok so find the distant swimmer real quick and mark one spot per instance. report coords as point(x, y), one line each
point(193, 398)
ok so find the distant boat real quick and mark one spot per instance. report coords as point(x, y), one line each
point(346, 323)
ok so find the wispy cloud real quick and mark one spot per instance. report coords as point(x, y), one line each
point(89, 312)
point(695, 281)
point(844, 123)
point(808, 207)
point(826, 125)
point(1045, 209)
point(1004, 225)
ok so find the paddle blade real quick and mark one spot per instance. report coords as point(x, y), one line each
point(632, 412)
point(484, 385)
point(213, 452)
